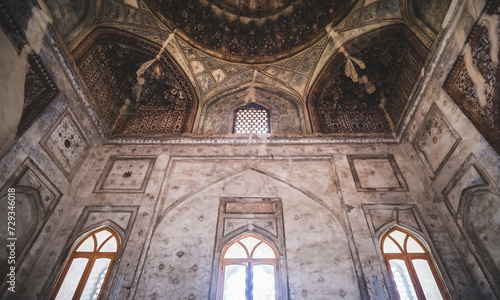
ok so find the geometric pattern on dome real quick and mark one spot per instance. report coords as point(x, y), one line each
point(393, 60)
point(259, 31)
point(251, 118)
point(109, 59)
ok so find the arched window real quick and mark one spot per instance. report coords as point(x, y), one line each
point(410, 267)
point(88, 267)
point(249, 270)
point(251, 118)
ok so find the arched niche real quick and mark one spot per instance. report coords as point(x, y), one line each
point(165, 104)
point(394, 57)
point(429, 14)
point(286, 111)
point(71, 17)
point(26, 218)
point(316, 242)
point(29, 211)
point(481, 220)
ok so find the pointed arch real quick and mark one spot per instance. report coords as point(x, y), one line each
point(394, 57)
point(165, 103)
point(286, 110)
point(248, 263)
point(89, 265)
point(479, 210)
point(410, 266)
point(272, 176)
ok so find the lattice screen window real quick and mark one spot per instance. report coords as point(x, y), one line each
point(251, 118)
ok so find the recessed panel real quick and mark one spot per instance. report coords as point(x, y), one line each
point(435, 141)
point(66, 144)
point(125, 174)
point(376, 173)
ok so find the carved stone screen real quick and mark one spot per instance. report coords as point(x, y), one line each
point(251, 118)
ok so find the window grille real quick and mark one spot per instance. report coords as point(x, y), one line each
point(251, 118)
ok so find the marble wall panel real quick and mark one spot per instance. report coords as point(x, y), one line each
point(470, 174)
point(125, 174)
point(435, 141)
point(66, 144)
point(376, 173)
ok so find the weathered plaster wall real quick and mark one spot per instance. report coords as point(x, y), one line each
point(286, 112)
point(179, 260)
point(43, 178)
point(451, 158)
point(14, 65)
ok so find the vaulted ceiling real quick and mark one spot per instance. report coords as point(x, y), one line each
point(221, 46)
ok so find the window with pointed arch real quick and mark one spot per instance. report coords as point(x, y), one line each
point(251, 118)
point(249, 270)
point(410, 267)
point(88, 267)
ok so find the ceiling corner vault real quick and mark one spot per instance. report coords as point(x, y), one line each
point(109, 59)
point(378, 102)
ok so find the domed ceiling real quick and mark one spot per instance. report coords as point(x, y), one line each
point(255, 31)
point(224, 46)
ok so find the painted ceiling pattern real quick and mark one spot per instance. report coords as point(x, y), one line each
point(259, 31)
point(165, 103)
point(188, 77)
point(378, 100)
point(39, 91)
point(211, 75)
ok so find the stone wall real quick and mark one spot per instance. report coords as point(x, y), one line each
point(458, 167)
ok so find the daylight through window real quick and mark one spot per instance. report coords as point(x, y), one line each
point(251, 118)
point(249, 271)
point(410, 266)
point(87, 269)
